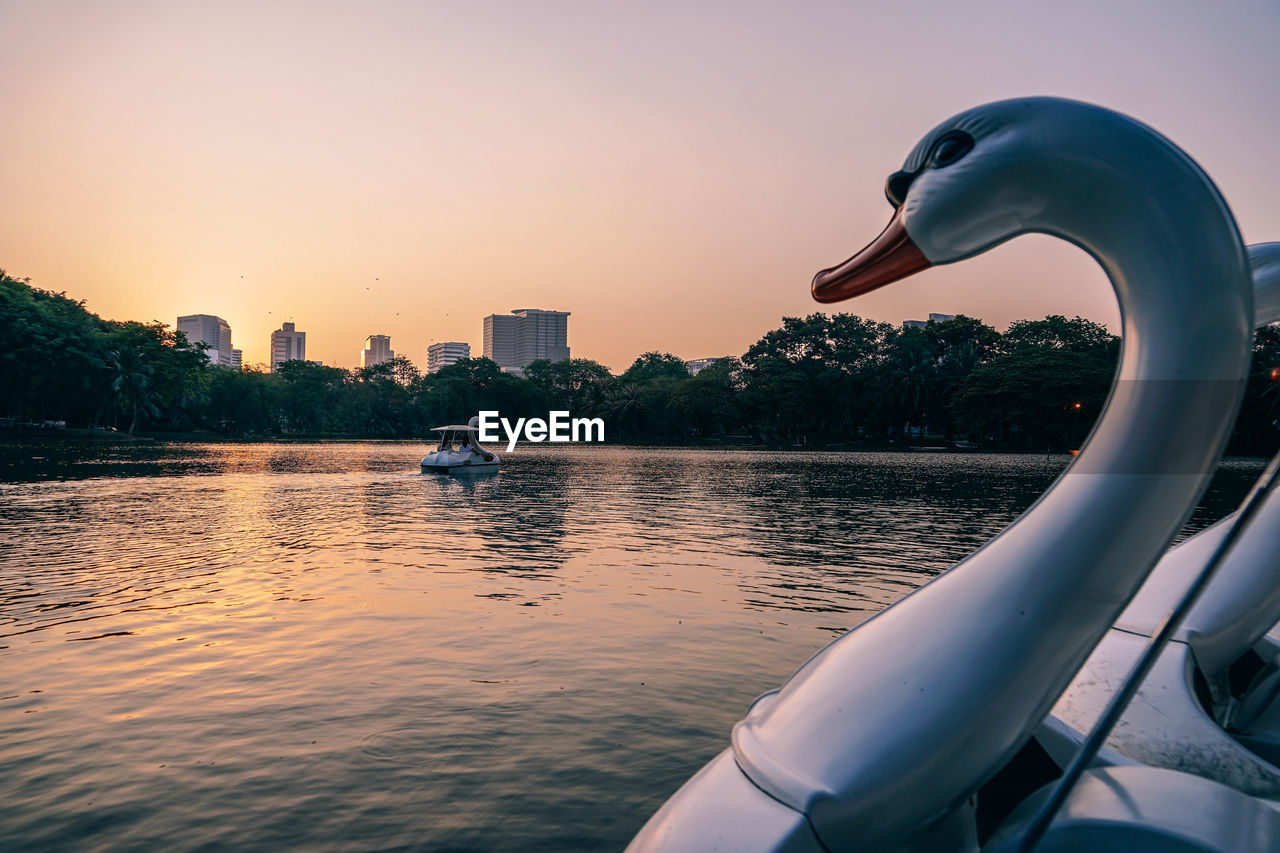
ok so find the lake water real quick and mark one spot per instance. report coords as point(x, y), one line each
point(266, 646)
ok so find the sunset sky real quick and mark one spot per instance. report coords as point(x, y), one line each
point(671, 173)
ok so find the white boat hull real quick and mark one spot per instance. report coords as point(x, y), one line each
point(460, 469)
point(454, 462)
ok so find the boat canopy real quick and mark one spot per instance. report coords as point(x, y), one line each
point(462, 435)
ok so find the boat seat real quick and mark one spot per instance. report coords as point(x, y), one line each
point(1136, 809)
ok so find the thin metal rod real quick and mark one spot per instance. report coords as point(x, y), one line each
point(1120, 700)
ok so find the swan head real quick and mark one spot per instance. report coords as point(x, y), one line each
point(983, 177)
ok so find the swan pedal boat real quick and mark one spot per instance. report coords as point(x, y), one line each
point(926, 727)
point(1211, 705)
point(448, 458)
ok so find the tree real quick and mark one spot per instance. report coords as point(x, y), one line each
point(911, 375)
point(960, 344)
point(382, 398)
point(460, 390)
point(1057, 332)
point(399, 370)
point(961, 332)
point(576, 385)
point(812, 375)
point(131, 384)
point(50, 354)
point(245, 402)
point(623, 409)
point(313, 395)
point(152, 371)
point(655, 365)
point(1049, 382)
point(708, 402)
point(953, 369)
point(1051, 395)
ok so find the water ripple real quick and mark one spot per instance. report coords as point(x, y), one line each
point(265, 646)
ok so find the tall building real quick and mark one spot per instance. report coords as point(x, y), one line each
point(500, 339)
point(525, 335)
point(287, 345)
point(446, 353)
point(213, 332)
point(933, 318)
point(377, 349)
point(237, 359)
point(697, 365)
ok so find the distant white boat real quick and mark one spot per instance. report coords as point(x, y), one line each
point(459, 452)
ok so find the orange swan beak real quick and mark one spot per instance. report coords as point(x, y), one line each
point(890, 257)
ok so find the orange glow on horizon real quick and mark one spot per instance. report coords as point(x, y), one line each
point(673, 177)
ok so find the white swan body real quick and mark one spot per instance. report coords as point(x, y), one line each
point(880, 740)
point(1168, 725)
point(1243, 600)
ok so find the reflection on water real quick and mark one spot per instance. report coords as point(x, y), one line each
point(258, 646)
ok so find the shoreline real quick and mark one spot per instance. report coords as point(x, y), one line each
point(104, 437)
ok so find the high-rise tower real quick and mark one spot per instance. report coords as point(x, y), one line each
point(445, 353)
point(525, 335)
point(287, 344)
point(213, 332)
point(377, 349)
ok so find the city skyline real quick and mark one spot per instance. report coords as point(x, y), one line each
point(546, 338)
point(288, 343)
point(674, 174)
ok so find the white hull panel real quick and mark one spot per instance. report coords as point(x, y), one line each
point(481, 468)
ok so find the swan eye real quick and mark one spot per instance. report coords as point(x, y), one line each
point(895, 189)
point(950, 148)
point(947, 150)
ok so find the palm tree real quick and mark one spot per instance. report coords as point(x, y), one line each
point(623, 407)
point(131, 385)
point(913, 374)
point(952, 370)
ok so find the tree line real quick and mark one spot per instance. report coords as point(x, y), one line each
point(820, 380)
